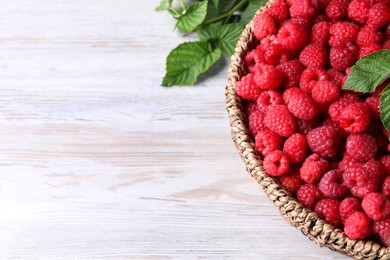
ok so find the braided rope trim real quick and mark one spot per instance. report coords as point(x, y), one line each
point(293, 212)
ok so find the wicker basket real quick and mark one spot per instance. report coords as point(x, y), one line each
point(295, 213)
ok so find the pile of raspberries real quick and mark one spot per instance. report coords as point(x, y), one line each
point(326, 146)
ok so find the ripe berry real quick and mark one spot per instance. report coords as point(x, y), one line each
point(343, 31)
point(251, 59)
point(361, 147)
point(302, 9)
point(279, 11)
point(325, 91)
point(291, 71)
point(308, 194)
point(272, 54)
point(358, 10)
point(264, 25)
point(279, 120)
point(267, 141)
point(268, 97)
point(291, 181)
point(368, 49)
point(348, 206)
point(376, 206)
point(337, 9)
point(305, 126)
point(386, 187)
point(292, 36)
point(359, 180)
point(357, 226)
point(367, 36)
point(247, 88)
point(267, 76)
point(314, 55)
point(329, 209)
point(343, 55)
point(382, 228)
point(310, 77)
point(331, 184)
point(313, 168)
point(338, 106)
point(324, 141)
point(276, 163)
point(347, 162)
point(373, 102)
point(378, 15)
point(320, 33)
point(295, 147)
point(256, 122)
point(336, 76)
point(355, 118)
point(300, 104)
point(385, 161)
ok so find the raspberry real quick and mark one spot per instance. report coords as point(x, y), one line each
point(300, 104)
point(267, 141)
point(303, 22)
point(268, 97)
point(302, 9)
point(247, 88)
point(276, 163)
point(320, 33)
point(358, 11)
point(267, 76)
point(319, 4)
point(375, 169)
point(279, 11)
point(329, 209)
point(347, 162)
point(376, 206)
point(331, 184)
point(264, 25)
point(279, 120)
point(343, 55)
point(348, 206)
point(292, 36)
point(256, 122)
point(291, 181)
point(355, 118)
point(313, 168)
point(291, 72)
point(359, 180)
point(314, 55)
point(305, 126)
point(325, 91)
point(382, 228)
point(310, 77)
point(329, 122)
point(337, 9)
point(368, 49)
point(385, 161)
point(324, 141)
point(357, 226)
point(266, 42)
point(320, 18)
point(374, 103)
point(386, 187)
point(367, 36)
point(361, 147)
point(337, 107)
point(336, 77)
point(386, 45)
point(343, 31)
point(308, 194)
point(378, 15)
point(295, 147)
point(249, 107)
point(272, 54)
point(251, 59)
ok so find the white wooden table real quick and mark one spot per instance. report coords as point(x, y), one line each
point(98, 161)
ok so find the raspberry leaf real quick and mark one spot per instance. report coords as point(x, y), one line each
point(164, 5)
point(192, 16)
point(385, 107)
point(250, 10)
point(187, 61)
point(220, 36)
point(369, 72)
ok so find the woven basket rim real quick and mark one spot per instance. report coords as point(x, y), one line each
point(293, 212)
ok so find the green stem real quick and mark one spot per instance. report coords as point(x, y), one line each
point(222, 16)
point(182, 5)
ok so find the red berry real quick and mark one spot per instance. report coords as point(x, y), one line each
point(295, 147)
point(386, 45)
point(300, 104)
point(360, 181)
point(357, 226)
point(314, 55)
point(320, 18)
point(292, 36)
point(382, 228)
point(291, 181)
point(378, 15)
point(368, 49)
point(268, 97)
point(337, 77)
point(385, 161)
point(355, 118)
point(324, 140)
point(267, 76)
point(376, 206)
point(310, 77)
point(267, 141)
point(343, 31)
point(320, 33)
point(276, 163)
point(329, 209)
point(305, 126)
point(251, 59)
point(272, 54)
point(386, 187)
point(361, 147)
point(343, 55)
point(256, 122)
point(374, 103)
point(247, 88)
point(325, 91)
point(291, 72)
point(313, 168)
point(249, 107)
point(302, 9)
point(331, 184)
point(338, 106)
point(348, 206)
point(279, 11)
point(263, 25)
point(279, 120)
point(337, 9)
point(308, 194)
point(367, 36)
point(358, 10)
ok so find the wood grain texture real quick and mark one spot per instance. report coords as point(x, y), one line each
point(97, 161)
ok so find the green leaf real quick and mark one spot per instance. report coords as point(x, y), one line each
point(225, 5)
point(250, 10)
point(164, 5)
point(211, 10)
point(187, 61)
point(224, 37)
point(192, 17)
point(369, 72)
point(385, 107)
